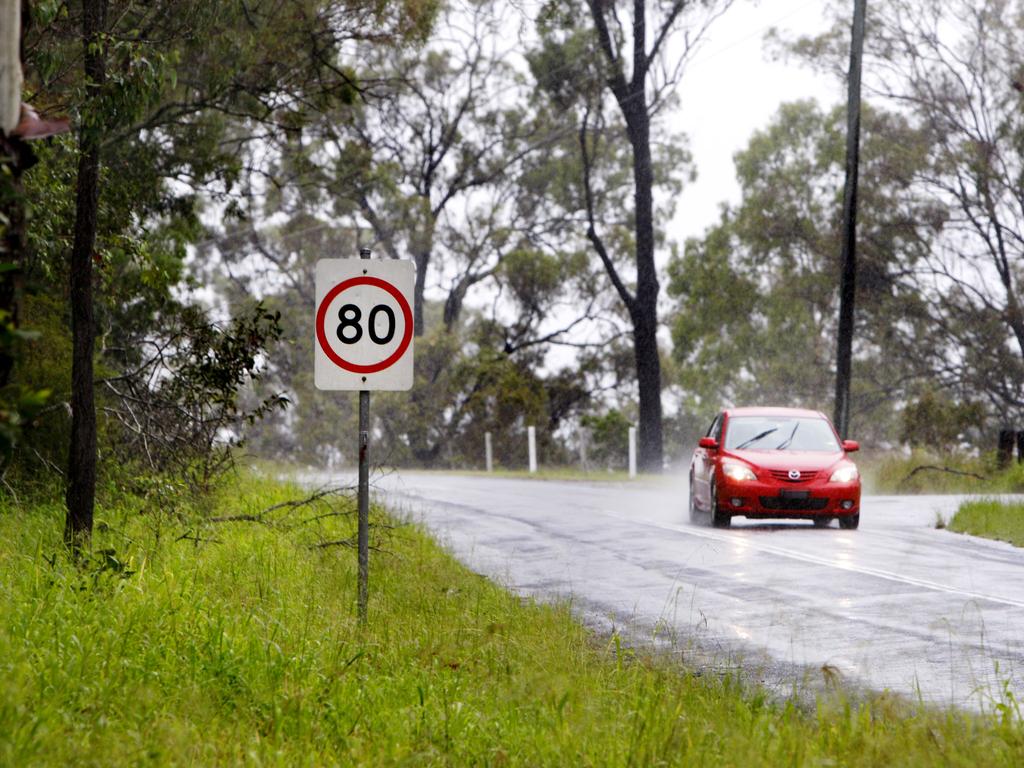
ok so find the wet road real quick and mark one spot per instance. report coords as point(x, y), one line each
point(896, 605)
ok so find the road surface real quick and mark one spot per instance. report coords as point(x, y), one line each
point(896, 605)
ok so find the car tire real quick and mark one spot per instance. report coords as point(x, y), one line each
point(849, 522)
point(822, 522)
point(719, 519)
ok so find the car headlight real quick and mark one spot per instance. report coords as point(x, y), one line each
point(735, 471)
point(845, 474)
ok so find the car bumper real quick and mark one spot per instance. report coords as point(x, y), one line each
point(759, 499)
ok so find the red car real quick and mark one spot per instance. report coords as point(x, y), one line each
point(774, 462)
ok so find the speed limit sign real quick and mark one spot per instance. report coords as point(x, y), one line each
point(364, 324)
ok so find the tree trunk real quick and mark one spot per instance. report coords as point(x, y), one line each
point(648, 371)
point(645, 310)
point(81, 479)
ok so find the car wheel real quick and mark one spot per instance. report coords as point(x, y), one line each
point(822, 522)
point(850, 522)
point(719, 519)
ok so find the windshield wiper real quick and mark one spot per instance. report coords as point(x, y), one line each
point(755, 438)
point(785, 443)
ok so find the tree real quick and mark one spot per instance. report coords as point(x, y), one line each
point(172, 81)
point(432, 163)
point(81, 477)
point(440, 162)
point(755, 320)
point(635, 70)
point(954, 68)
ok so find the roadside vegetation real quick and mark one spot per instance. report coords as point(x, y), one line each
point(189, 638)
point(926, 472)
point(992, 519)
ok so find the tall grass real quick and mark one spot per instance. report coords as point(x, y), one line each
point(991, 519)
point(923, 472)
point(184, 642)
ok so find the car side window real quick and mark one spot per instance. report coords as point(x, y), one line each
point(715, 430)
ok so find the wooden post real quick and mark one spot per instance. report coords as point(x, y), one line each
point(632, 452)
point(488, 452)
point(531, 436)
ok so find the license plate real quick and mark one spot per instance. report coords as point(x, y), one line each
point(795, 495)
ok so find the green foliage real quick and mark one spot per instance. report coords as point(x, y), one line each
point(180, 411)
point(187, 84)
point(756, 297)
point(940, 423)
point(227, 643)
point(991, 519)
point(464, 390)
point(19, 404)
point(609, 438)
point(950, 67)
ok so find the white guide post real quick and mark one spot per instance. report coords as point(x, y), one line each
point(632, 452)
point(488, 451)
point(531, 434)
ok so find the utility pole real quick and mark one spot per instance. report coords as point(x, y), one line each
point(848, 254)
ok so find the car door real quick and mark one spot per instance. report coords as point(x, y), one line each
point(703, 465)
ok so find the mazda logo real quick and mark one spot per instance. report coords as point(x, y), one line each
point(794, 474)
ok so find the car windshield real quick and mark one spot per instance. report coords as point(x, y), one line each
point(780, 433)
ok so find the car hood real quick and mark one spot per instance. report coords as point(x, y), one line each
point(802, 460)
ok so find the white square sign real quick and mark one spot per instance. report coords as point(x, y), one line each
point(363, 324)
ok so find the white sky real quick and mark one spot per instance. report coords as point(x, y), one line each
point(730, 89)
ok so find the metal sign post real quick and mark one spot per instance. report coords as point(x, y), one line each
point(363, 535)
point(364, 330)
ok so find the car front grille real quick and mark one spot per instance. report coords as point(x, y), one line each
point(793, 505)
point(783, 474)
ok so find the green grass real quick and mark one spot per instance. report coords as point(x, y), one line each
point(192, 643)
point(991, 519)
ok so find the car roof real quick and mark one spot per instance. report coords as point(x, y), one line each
point(773, 411)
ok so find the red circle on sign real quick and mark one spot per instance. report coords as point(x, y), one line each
point(321, 317)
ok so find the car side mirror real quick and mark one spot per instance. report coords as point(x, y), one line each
point(850, 446)
point(708, 442)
